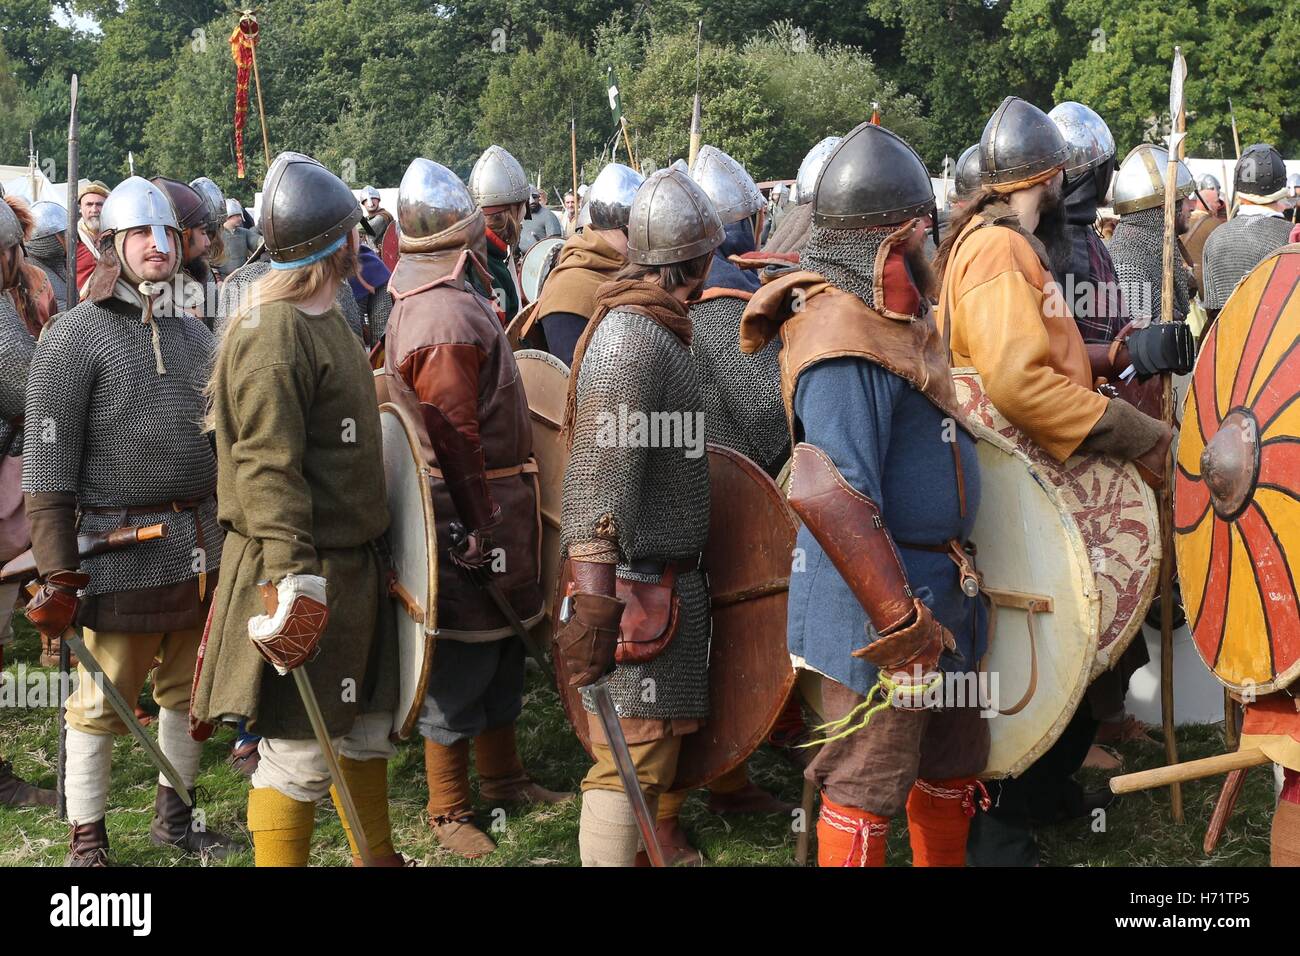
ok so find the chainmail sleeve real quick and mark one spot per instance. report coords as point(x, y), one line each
point(16, 348)
point(62, 378)
point(605, 477)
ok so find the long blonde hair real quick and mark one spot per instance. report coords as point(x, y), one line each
point(281, 285)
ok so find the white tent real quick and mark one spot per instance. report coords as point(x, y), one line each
point(18, 180)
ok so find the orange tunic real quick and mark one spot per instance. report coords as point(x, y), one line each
point(1010, 322)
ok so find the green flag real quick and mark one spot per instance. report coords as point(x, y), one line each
point(615, 99)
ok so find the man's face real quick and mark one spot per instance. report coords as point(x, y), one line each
point(91, 205)
point(569, 204)
point(1183, 212)
point(196, 243)
point(1211, 197)
point(143, 258)
point(234, 222)
point(372, 204)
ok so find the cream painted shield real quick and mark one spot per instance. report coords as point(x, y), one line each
point(414, 555)
point(1046, 604)
point(1113, 510)
point(546, 384)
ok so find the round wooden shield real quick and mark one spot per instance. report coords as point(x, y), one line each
point(546, 383)
point(537, 265)
point(747, 559)
point(414, 555)
point(1110, 506)
point(388, 246)
point(1237, 484)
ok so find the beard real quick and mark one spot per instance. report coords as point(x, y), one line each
point(505, 225)
point(92, 222)
point(1051, 228)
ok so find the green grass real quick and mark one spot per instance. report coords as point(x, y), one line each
point(1139, 830)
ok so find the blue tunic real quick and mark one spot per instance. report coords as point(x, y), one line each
point(893, 445)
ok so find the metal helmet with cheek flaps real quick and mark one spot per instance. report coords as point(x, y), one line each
point(137, 202)
point(873, 178)
point(1020, 143)
point(1140, 182)
point(609, 199)
point(805, 181)
point(732, 190)
point(672, 220)
point(431, 199)
point(497, 179)
point(306, 209)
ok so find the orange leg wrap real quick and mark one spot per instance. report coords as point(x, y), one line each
point(938, 819)
point(849, 836)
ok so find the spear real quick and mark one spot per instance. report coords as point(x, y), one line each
point(696, 131)
point(573, 153)
point(1177, 132)
point(1236, 143)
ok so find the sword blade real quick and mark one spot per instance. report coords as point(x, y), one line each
point(127, 714)
point(598, 693)
point(317, 719)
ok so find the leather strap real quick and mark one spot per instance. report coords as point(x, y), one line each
point(527, 468)
point(192, 506)
point(1031, 604)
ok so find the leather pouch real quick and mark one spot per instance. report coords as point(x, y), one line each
point(651, 617)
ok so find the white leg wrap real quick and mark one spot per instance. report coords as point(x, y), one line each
point(607, 834)
point(178, 746)
point(90, 763)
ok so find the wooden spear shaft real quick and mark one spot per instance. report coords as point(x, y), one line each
point(573, 153)
point(1166, 494)
point(261, 110)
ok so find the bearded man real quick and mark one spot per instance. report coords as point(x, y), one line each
point(90, 203)
point(122, 373)
point(498, 185)
point(587, 260)
point(197, 281)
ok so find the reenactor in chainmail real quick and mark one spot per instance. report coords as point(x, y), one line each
point(196, 281)
point(887, 489)
point(588, 260)
point(636, 506)
point(303, 503)
point(1209, 212)
point(114, 416)
point(499, 187)
point(47, 246)
point(1256, 229)
point(448, 364)
point(1137, 246)
point(791, 233)
point(377, 217)
point(17, 342)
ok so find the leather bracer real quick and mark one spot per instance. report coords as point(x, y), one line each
point(463, 470)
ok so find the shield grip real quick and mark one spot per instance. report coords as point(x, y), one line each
point(848, 526)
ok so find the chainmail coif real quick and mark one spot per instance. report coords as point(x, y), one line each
point(846, 258)
point(1137, 249)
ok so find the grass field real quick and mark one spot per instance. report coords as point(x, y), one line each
point(1138, 832)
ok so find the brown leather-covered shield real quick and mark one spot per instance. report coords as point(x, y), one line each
point(747, 560)
point(546, 383)
point(1237, 484)
point(388, 247)
point(413, 552)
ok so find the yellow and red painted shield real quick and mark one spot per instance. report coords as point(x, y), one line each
point(1237, 484)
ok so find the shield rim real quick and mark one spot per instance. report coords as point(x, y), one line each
point(570, 700)
point(402, 729)
point(548, 243)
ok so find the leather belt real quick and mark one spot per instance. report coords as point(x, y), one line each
point(192, 506)
point(527, 468)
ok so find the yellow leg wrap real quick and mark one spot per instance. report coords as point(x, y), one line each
point(281, 827)
point(670, 804)
point(368, 781)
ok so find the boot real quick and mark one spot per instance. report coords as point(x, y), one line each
point(173, 825)
point(368, 782)
point(244, 757)
point(749, 798)
point(675, 844)
point(501, 774)
point(88, 845)
point(938, 820)
point(450, 816)
point(850, 836)
point(281, 828)
point(17, 792)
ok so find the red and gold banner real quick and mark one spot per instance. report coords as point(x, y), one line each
point(242, 42)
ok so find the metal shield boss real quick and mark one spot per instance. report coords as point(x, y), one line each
point(413, 550)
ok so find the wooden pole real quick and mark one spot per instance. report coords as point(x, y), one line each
point(573, 152)
point(1178, 119)
point(1185, 772)
point(261, 110)
point(631, 156)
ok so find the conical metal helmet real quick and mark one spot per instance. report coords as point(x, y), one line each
point(1140, 182)
point(805, 181)
point(11, 230)
point(872, 178)
point(431, 199)
point(1019, 143)
point(306, 209)
point(50, 217)
point(211, 194)
point(672, 220)
point(138, 202)
point(732, 190)
point(609, 198)
point(1260, 173)
point(191, 208)
point(497, 179)
point(1085, 133)
point(966, 180)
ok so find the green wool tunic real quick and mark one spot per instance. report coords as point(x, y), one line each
point(300, 490)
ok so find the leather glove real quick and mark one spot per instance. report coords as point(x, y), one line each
point(471, 551)
point(909, 655)
point(1151, 463)
point(54, 606)
point(1162, 347)
point(296, 615)
point(587, 640)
